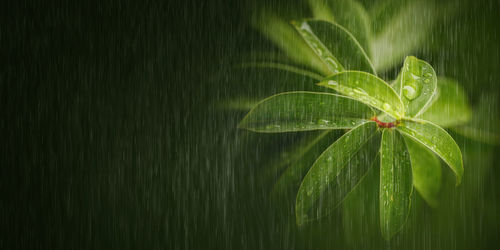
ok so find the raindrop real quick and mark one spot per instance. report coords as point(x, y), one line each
point(410, 92)
point(309, 192)
point(360, 91)
point(333, 83)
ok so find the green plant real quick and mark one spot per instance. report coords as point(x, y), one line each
point(396, 125)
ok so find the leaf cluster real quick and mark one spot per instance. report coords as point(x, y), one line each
point(396, 125)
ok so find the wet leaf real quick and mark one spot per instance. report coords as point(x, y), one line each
point(360, 211)
point(437, 140)
point(416, 86)
point(336, 172)
point(451, 107)
point(335, 45)
point(368, 89)
point(426, 171)
point(302, 111)
point(395, 183)
point(301, 160)
point(316, 44)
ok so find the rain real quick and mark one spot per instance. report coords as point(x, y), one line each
point(250, 125)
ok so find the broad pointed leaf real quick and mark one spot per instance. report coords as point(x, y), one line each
point(302, 111)
point(347, 13)
point(317, 45)
point(335, 45)
point(395, 183)
point(451, 107)
point(336, 172)
point(360, 211)
point(416, 86)
point(426, 171)
point(437, 140)
point(368, 89)
point(302, 160)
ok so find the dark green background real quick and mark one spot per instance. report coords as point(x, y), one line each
point(111, 136)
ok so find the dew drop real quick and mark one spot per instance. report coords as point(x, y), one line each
point(360, 91)
point(333, 83)
point(322, 122)
point(410, 92)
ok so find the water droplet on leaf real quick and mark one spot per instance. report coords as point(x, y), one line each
point(333, 83)
point(410, 92)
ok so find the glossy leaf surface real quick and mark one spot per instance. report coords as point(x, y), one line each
point(302, 111)
point(368, 89)
point(416, 86)
point(343, 51)
point(437, 140)
point(317, 45)
point(336, 172)
point(395, 183)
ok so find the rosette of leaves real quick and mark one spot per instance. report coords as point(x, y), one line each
point(397, 126)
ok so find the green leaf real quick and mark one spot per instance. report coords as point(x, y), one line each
point(437, 140)
point(302, 158)
point(395, 183)
point(302, 111)
point(336, 172)
point(282, 34)
point(417, 85)
point(451, 107)
point(426, 171)
point(348, 13)
point(368, 89)
point(316, 44)
point(335, 45)
point(360, 211)
point(402, 33)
